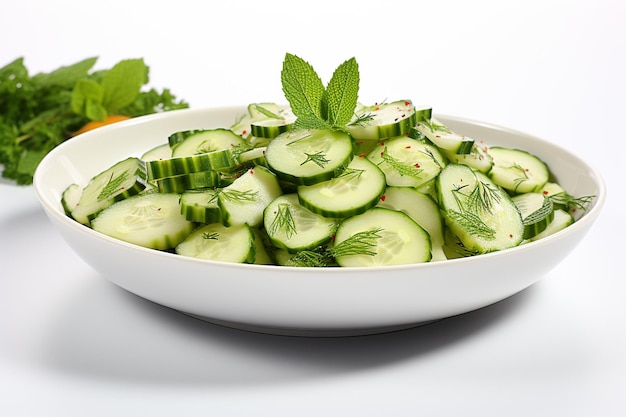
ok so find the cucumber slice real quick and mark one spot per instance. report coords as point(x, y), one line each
point(257, 112)
point(381, 237)
point(220, 243)
point(212, 161)
point(357, 189)
point(290, 225)
point(149, 220)
point(193, 181)
point(444, 138)
point(207, 141)
point(122, 180)
point(517, 171)
point(253, 157)
point(407, 162)
point(478, 158)
point(386, 120)
point(70, 198)
point(201, 206)
point(477, 211)
point(307, 156)
point(537, 212)
point(562, 219)
point(264, 253)
point(245, 199)
point(158, 152)
point(423, 209)
point(271, 123)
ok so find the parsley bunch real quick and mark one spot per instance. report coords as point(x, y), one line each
point(39, 112)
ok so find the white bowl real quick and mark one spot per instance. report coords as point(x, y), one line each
point(304, 301)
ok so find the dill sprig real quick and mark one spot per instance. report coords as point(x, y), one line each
point(362, 243)
point(403, 169)
point(318, 159)
point(284, 221)
point(570, 202)
point(239, 195)
point(113, 185)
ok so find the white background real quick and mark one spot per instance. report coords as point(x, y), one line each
point(71, 344)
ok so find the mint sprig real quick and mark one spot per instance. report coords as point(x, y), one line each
point(316, 106)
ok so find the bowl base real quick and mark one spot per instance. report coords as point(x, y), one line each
point(296, 332)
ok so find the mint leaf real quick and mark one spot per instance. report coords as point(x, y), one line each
point(65, 76)
point(314, 106)
point(342, 93)
point(303, 88)
point(86, 95)
point(122, 84)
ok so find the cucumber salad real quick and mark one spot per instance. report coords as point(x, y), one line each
point(326, 181)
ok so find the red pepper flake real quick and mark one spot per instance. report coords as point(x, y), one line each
point(545, 192)
point(395, 120)
point(244, 132)
point(362, 155)
point(407, 147)
point(407, 103)
point(511, 235)
point(417, 165)
point(437, 136)
point(404, 115)
point(251, 171)
point(383, 197)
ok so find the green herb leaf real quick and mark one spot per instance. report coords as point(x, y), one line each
point(39, 112)
point(315, 106)
point(303, 88)
point(122, 83)
point(342, 93)
point(87, 97)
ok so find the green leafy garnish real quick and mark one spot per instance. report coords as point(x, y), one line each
point(316, 106)
point(39, 112)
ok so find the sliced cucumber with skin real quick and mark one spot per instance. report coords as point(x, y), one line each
point(562, 219)
point(517, 171)
point(212, 161)
point(537, 212)
point(384, 120)
point(444, 138)
point(193, 181)
point(306, 157)
point(423, 209)
point(256, 112)
point(150, 220)
point(481, 214)
point(273, 124)
point(158, 152)
point(245, 199)
point(382, 237)
point(201, 206)
point(357, 189)
point(478, 158)
point(407, 162)
point(264, 252)
point(207, 141)
point(254, 156)
point(291, 226)
point(122, 180)
point(70, 198)
point(217, 242)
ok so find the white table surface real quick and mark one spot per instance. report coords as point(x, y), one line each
point(73, 344)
